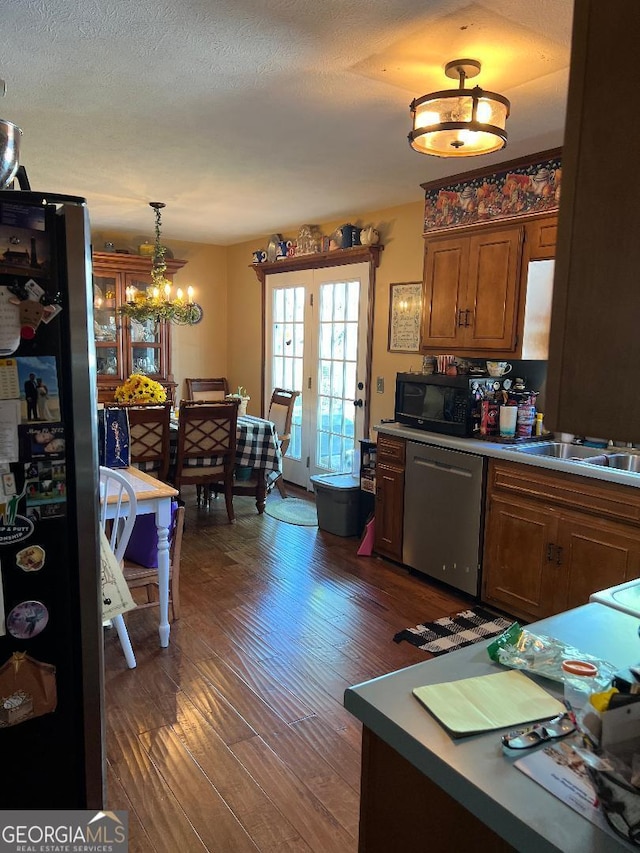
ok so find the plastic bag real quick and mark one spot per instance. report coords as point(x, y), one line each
point(518, 648)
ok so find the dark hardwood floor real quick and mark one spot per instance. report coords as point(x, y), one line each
point(235, 738)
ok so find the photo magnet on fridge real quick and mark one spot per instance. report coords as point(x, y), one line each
point(41, 442)
point(38, 381)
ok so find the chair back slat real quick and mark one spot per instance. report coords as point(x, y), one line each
point(207, 389)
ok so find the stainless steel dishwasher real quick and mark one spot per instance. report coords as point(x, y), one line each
point(443, 508)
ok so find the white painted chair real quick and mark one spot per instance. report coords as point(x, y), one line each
point(122, 511)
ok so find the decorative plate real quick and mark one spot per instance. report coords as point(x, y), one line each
point(27, 620)
point(272, 247)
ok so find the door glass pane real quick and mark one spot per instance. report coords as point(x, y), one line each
point(287, 345)
point(146, 360)
point(107, 361)
point(337, 374)
point(104, 308)
point(147, 331)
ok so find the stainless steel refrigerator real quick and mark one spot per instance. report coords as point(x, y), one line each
point(51, 667)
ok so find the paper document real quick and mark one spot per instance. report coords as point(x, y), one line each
point(488, 702)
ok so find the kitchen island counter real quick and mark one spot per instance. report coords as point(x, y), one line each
point(510, 453)
point(468, 782)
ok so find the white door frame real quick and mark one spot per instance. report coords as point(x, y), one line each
point(312, 280)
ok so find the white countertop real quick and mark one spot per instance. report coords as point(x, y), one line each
point(473, 770)
point(509, 454)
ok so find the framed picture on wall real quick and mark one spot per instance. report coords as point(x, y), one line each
point(405, 311)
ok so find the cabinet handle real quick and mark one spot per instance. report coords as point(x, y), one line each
point(558, 555)
point(549, 552)
point(466, 317)
point(460, 313)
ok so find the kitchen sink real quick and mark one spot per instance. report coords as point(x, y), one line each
point(619, 461)
point(559, 450)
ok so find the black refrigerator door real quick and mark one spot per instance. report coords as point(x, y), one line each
point(51, 693)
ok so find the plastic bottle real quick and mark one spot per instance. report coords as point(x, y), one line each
point(579, 682)
point(539, 424)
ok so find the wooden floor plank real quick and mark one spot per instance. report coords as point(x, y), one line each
point(235, 738)
point(215, 823)
point(317, 826)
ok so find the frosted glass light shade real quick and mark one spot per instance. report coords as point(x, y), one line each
point(459, 123)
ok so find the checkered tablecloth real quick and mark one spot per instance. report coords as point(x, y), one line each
point(257, 447)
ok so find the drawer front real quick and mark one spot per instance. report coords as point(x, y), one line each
point(553, 488)
point(391, 450)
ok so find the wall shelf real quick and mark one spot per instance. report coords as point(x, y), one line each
point(318, 260)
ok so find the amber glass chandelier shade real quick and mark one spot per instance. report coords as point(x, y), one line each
point(459, 122)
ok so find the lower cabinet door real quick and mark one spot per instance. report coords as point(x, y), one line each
point(520, 572)
point(389, 512)
point(596, 554)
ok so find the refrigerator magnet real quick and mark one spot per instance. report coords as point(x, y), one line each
point(9, 323)
point(27, 620)
point(30, 559)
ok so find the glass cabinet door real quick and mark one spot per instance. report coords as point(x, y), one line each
point(106, 327)
point(146, 337)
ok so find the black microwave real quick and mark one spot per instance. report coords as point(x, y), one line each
point(441, 403)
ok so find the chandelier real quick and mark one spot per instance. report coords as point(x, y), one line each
point(156, 302)
point(459, 122)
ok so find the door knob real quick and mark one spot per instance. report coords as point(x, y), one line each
point(358, 403)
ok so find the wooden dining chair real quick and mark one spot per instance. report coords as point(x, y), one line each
point(281, 414)
point(118, 525)
point(207, 389)
point(145, 578)
point(149, 431)
point(206, 448)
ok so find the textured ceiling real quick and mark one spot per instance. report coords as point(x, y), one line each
point(252, 116)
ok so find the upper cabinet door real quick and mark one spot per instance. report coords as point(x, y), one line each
point(492, 289)
point(471, 287)
point(444, 298)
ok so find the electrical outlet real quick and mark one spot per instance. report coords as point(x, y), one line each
point(380, 384)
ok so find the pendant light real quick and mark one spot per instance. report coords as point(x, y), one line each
point(459, 122)
point(157, 302)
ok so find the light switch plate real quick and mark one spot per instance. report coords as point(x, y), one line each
point(380, 384)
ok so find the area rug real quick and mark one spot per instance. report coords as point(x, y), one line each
point(293, 511)
point(454, 632)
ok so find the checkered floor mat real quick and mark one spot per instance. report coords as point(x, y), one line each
point(454, 632)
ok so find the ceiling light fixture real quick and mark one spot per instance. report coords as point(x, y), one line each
point(156, 302)
point(459, 122)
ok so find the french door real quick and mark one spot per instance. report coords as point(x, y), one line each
point(317, 343)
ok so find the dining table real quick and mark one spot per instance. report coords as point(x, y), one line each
point(257, 448)
point(153, 497)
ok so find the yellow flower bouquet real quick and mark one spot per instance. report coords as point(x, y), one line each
point(140, 389)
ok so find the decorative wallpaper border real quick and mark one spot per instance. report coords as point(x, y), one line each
point(517, 191)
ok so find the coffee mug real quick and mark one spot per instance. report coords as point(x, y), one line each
point(498, 368)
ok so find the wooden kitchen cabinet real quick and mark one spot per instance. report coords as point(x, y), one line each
point(389, 507)
point(124, 346)
point(596, 301)
point(470, 293)
point(551, 539)
point(541, 236)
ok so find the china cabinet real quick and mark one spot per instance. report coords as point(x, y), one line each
point(123, 345)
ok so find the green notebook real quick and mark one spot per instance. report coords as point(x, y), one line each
point(487, 702)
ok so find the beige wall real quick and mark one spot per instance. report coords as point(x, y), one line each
point(401, 261)
point(228, 341)
point(199, 350)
